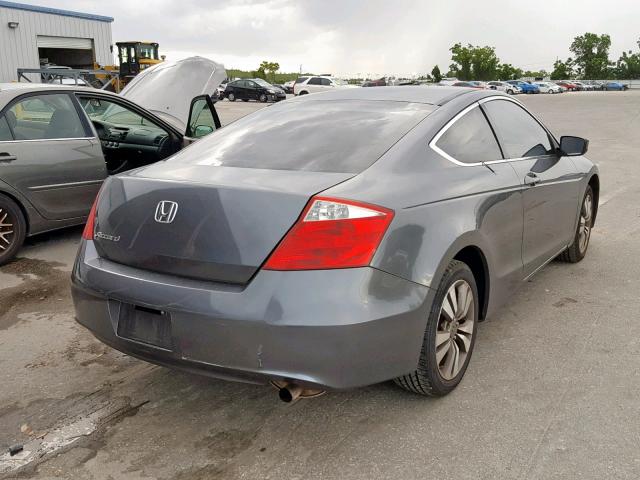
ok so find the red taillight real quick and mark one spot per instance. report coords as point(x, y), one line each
point(332, 233)
point(89, 227)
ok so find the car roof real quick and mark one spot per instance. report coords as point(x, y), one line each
point(20, 87)
point(432, 95)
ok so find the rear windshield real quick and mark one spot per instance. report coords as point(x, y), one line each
point(345, 136)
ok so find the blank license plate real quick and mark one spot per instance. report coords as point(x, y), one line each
point(145, 325)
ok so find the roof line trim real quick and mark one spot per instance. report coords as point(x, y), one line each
point(55, 11)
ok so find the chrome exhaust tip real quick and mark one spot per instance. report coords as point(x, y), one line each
point(290, 392)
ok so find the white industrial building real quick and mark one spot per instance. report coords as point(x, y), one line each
point(32, 36)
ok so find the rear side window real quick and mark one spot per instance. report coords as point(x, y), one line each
point(470, 139)
point(519, 133)
point(301, 79)
point(314, 135)
point(46, 117)
point(325, 81)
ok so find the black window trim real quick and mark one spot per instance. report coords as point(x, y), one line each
point(477, 104)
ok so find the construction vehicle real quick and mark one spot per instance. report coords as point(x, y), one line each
point(133, 57)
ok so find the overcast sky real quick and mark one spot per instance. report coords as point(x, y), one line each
point(369, 37)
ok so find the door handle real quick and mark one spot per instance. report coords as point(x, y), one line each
point(7, 157)
point(532, 179)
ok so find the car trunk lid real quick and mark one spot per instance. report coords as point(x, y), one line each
point(217, 224)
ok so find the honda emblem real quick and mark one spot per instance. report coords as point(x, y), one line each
point(166, 211)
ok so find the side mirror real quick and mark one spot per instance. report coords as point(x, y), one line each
point(573, 146)
point(202, 130)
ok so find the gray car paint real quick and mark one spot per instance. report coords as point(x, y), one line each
point(345, 328)
point(55, 181)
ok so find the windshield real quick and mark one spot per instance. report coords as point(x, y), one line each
point(315, 135)
point(262, 83)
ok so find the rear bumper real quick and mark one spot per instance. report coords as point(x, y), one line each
point(334, 328)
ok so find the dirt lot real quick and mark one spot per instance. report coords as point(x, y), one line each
point(552, 390)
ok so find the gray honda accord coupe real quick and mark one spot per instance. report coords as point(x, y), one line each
point(335, 240)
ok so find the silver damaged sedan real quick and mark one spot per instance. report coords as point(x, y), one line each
point(335, 240)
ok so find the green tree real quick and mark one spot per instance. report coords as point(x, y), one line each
point(562, 70)
point(628, 65)
point(473, 63)
point(269, 68)
point(435, 73)
point(592, 54)
point(506, 71)
point(462, 58)
point(535, 74)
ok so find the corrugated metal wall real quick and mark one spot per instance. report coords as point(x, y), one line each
point(18, 47)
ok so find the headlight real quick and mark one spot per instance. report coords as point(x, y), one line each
point(271, 91)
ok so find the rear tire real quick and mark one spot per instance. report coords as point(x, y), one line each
point(449, 337)
point(231, 97)
point(303, 92)
point(578, 249)
point(13, 229)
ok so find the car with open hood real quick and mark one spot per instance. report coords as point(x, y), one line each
point(58, 143)
point(335, 240)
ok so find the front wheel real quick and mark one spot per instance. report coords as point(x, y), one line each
point(13, 229)
point(231, 97)
point(578, 249)
point(262, 98)
point(449, 337)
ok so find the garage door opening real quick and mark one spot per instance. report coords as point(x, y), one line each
point(66, 52)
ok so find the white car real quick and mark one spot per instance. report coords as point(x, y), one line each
point(504, 87)
point(448, 81)
point(317, 84)
point(548, 87)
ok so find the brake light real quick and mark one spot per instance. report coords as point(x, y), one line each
point(89, 227)
point(332, 233)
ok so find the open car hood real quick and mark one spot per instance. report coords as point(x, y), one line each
point(166, 89)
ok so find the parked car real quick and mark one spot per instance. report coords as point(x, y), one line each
point(288, 86)
point(548, 87)
point(293, 248)
point(478, 84)
point(381, 82)
point(253, 89)
point(58, 143)
point(448, 81)
point(466, 84)
point(615, 86)
point(504, 87)
point(571, 87)
point(319, 84)
point(526, 87)
point(221, 88)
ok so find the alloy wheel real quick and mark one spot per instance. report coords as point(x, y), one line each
point(586, 214)
point(455, 329)
point(6, 230)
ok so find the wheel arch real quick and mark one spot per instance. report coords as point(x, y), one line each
point(21, 206)
point(475, 259)
point(594, 183)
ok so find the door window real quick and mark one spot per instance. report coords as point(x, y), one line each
point(5, 132)
point(470, 139)
point(519, 133)
point(46, 117)
point(314, 81)
point(325, 82)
